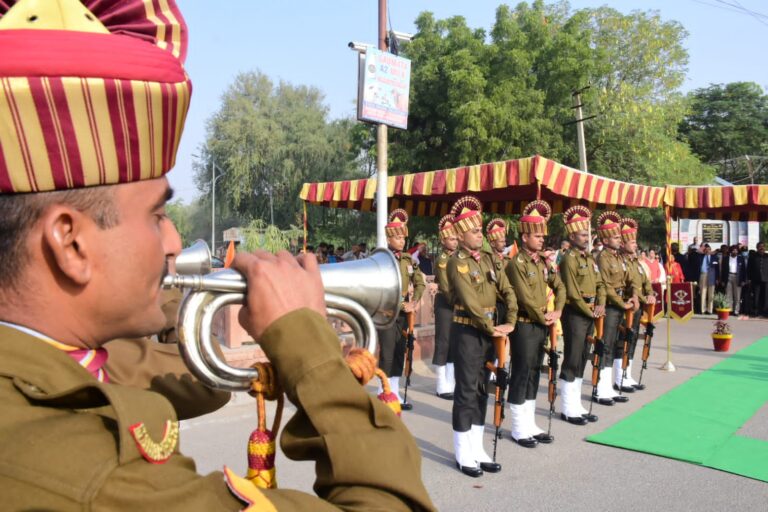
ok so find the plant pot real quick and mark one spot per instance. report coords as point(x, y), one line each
point(723, 313)
point(722, 342)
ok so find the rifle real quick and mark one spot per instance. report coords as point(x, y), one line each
point(409, 341)
point(629, 320)
point(650, 310)
point(500, 347)
point(552, 390)
point(597, 357)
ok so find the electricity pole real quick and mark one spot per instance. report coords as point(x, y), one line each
point(579, 121)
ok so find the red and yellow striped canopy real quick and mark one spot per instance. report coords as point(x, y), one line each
point(736, 202)
point(503, 187)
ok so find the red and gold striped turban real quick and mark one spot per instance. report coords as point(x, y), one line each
point(628, 229)
point(398, 223)
point(496, 229)
point(535, 217)
point(577, 218)
point(467, 214)
point(609, 224)
point(91, 93)
point(445, 227)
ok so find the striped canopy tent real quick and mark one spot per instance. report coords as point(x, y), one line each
point(503, 187)
point(735, 202)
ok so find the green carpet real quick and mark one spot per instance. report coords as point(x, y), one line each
point(697, 421)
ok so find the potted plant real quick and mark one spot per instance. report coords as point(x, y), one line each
point(722, 306)
point(721, 336)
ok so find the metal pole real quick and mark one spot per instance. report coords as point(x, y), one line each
point(271, 208)
point(213, 208)
point(580, 132)
point(381, 147)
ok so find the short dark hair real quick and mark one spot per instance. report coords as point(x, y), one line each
point(20, 212)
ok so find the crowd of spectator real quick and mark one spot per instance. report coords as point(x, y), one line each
point(741, 274)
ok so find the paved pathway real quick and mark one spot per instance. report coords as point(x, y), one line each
point(569, 475)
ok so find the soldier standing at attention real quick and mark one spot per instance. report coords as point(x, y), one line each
point(530, 278)
point(92, 105)
point(392, 340)
point(443, 357)
point(496, 234)
point(615, 276)
point(474, 285)
point(584, 301)
point(640, 289)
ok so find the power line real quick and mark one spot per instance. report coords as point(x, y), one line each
point(762, 18)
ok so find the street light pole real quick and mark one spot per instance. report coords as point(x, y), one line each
point(213, 208)
point(381, 147)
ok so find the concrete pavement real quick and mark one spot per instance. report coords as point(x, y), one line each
point(570, 474)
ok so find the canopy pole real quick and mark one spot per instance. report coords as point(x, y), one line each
point(668, 366)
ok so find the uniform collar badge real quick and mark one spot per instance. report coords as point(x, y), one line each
point(152, 451)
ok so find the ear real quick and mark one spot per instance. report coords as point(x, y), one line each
point(64, 237)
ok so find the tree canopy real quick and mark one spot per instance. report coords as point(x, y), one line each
point(727, 126)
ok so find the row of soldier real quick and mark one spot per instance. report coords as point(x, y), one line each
point(485, 298)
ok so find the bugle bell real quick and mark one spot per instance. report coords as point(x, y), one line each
point(365, 294)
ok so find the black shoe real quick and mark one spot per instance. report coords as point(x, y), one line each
point(544, 438)
point(445, 396)
point(527, 442)
point(490, 467)
point(624, 389)
point(470, 470)
point(639, 387)
point(603, 401)
point(406, 406)
point(621, 399)
point(574, 420)
point(589, 417)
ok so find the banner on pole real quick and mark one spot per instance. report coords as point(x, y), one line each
point(383, 89)
point(681, 304)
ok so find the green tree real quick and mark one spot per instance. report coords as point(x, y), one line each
point(476, 98)
point(267, 140)
point(725, 124)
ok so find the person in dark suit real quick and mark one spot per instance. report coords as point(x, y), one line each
point(757, 271)
point(733, 272)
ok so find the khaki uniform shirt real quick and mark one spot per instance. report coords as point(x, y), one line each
point(67, 441)
point(441, 276)
point(474, 285)
point(145, 364)
point(530, 280)
point(581, 278)
point(500, 264)
point(410, 274)
point(615, 276)
point(639, 284)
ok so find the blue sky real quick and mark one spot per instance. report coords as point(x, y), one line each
point(305, 42)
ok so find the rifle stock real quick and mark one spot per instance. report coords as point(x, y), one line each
point(500, 347)
point(552, 388)
point(629, 320)
point(597, 358)
point(650, 311)
point(409, 344)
